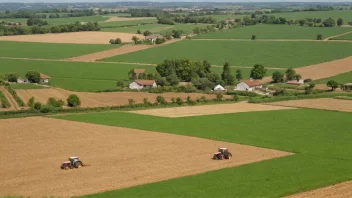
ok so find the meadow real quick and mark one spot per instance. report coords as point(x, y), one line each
point(127, 23)
point(314, 165)
point(346, 15)
point(243, 53)
point(343, 37)
point(341, 79)
point(154, 28)
point(26, 86)
point(274, 32)
point(48, 50)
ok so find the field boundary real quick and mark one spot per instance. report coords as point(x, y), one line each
point(331, 37)
point(276, 40)
point(9, 97)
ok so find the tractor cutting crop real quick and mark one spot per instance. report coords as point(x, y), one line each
point(223, 153)
point(73, 162)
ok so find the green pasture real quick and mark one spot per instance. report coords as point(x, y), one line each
point(154, 28)
point(274, 32)
point(186, 28)
point(60, 21)
point(127, 23)
point(49, 50)
point(344, 37)
point(320, 140)
point(243, 53)
point(341, 79)
point(26, 86)
point(346, 15)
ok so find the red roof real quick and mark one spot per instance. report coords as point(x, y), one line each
point(139, 71)
point(145, 82)
point(252, 83)
point(43, 76)
point(293, 82)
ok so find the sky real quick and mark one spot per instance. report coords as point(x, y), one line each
point(73, 1)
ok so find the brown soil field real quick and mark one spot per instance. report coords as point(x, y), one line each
point(102, 99)
point(342, 190)
point(113, 19)
point(73, 37)
point(209, 110)
point(322, 103)
point(118, 157)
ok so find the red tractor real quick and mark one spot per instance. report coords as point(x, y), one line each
point(73, 162)
point(223, 153)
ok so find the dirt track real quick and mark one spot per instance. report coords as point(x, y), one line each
point(322, 103)
point(119, 157)
point(101, 99)
point(208, 110)
point(73, 37)
point(342, 190)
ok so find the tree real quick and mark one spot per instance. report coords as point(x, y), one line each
point(213, 77)
point(333, 84)
point(203, 84)
point(33, 76)
point(30, 102)
point(139, 32)
point(147, 33)
point(339, 22)
point(119, 83)
point(160, 100)
point(179, 101)
point(290, 74)
point(258, 71)
point(177, 33)
point(132, 75)
point(238, 75)
point(112, 41)
point(73, 101)
point(319, 37)
point(226, 75)
point(253, 37)
point(37, 106)
point(12, 77)
point(172, 79)
point(55, 103)
point(329, 22)
point(135, 39)
point(118, 41)
point(298, 77)
point(278, 77)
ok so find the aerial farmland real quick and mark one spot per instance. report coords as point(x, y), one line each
point(177, 99)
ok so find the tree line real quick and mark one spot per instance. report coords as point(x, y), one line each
point(34, 14)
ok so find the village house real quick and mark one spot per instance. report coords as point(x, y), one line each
point(219, 88)
point(249, 85)
point(153, 37)
point(44, 79)
point(141, 84)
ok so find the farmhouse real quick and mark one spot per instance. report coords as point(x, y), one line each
point(347, 86)
point(141, 84)
point(219, 88)
point(20, 80)
point(295, 82)
point(249, 85)
point(153, 37)
point(44, 78)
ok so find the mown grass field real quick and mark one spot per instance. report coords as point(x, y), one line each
point(320, 139)
point(48, 50)
point(346, 15)
point(186, 28)
point(344, 37)
point(26, 86)
point(80, 76)
point(127, 23)
point(154, 28)
point(243, 53)
point(341, 79)
point(274, 32)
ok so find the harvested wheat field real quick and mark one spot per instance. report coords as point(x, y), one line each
point(102, 99)
point(116, 18)
point(38, 145)
point(209, 110)
point(73, 37)
point(342, 190)
point(322, 103)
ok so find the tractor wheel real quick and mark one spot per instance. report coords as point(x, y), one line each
point(78, 164)
point(221, 157)
point(66, 167)
point(229, 156)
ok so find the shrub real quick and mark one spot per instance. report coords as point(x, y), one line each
point(173, 100)
point(319, 37)
point(12, 77)
point(146, 102)
point(219, 97)
point(73, 101)
point(235, 97)
point(179, 101)
point(47, 109)
point(119, 83)
point(30, 102)
point(308, 80)
point(278, 77)
point(37, 106)
point(253, 37)
point(160, 40)
point(333, 84)
point(112, 41)
point(118, 41)
point(55, 103)
point(243, 93)
point(160, 100)
point(190, 101)
point(131, 102)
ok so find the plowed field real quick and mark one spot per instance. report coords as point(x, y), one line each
point(343, 190)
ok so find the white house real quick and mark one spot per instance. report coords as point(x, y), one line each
point(20, 80)
point(140, 84)
point(44, 78)
point(153, 37)
point(219, 88)
point(249, 85)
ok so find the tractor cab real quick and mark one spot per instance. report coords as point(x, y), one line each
point(73, 159)
point(223, 150)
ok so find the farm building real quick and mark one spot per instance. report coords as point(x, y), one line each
point(141, 84)
point(347, 86)
point(249, 85)
point(295, 82)
point(44, 78)
point(20, 80)
point(219, 88)
point(153, 37)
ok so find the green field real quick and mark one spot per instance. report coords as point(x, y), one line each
point(127, 23)
point(243, 53)
point(48, 50)
point(320, 139)
point(274, 32)
point(154, 28)
point(186, 28)
point(26, 86)
point(341, 79)
point(346, 15)
point(344, 37)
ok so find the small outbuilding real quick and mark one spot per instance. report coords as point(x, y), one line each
point(141, 84)
point(249, 85)
point(153, 37)
point(219, 88)
point(20, 80)
point(347, 86)
point(44, 79)
point(295, 82)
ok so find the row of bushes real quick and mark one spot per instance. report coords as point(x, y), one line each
point(53, 105)
point(13, 93)
point(243, 93)
point(296, 97)
point(4, 102)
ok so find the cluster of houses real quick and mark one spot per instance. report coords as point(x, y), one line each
point(44, 79)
